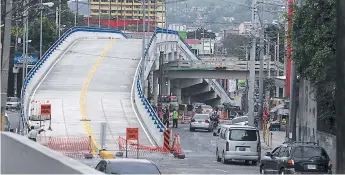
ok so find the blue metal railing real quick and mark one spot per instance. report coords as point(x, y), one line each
point(46, 55)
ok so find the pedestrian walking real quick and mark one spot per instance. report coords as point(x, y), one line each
point(166, 121)
point(32, 135)
point(175, 118)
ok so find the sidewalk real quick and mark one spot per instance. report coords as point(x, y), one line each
point(278, 137)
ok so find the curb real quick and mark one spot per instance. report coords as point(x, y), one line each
point(265, 147)
point(106, 155)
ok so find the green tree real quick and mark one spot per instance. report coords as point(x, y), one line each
point(49, 34)
point(314, 46)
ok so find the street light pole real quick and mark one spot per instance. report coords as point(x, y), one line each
point(88, 15)
point(109, 17)
point(59, 25)
point(144, 43)
point(41, 28)
point(99, 14)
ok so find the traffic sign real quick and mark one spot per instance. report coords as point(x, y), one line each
point(132, 133)
point(45, 109)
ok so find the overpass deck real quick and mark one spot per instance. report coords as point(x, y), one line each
point(235, 65)
point(92, 80)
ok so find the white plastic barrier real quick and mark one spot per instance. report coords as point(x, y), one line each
point(54, 52)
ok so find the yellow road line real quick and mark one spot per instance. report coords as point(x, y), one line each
point(86, 123)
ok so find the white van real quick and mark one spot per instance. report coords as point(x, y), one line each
point(238, 142)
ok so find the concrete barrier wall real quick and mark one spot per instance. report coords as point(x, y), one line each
point(19, 155)
point(53, 53)
point(149, 117)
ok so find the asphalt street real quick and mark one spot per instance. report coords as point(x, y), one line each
point(199, 148)
point(13, 117)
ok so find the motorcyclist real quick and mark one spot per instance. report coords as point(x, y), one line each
point(215, 118)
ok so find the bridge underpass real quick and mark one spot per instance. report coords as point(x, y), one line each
point(180, 74)
point(92, 80)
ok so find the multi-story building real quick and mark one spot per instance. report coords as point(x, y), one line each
point(128, 12)
point(244, 28)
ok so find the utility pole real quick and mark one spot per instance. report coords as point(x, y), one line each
point(161, 78)
point(262, 51)
point(293, 91)
point(340, 89)
point(251, 81)
point(5, 60)
point(3, 94)
point(76, 14)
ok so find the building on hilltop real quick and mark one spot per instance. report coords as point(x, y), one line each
point(244, 28)
point(127, 12)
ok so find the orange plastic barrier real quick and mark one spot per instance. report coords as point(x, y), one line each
point(176, 148)
point(74, 147)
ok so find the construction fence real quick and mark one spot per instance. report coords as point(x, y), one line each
point(131, 149)
point(81, 147)
point(74, 147)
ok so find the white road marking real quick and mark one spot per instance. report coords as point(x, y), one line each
point(222, 170)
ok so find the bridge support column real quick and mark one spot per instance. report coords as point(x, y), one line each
point(166, 87)
point(155, 87)
point(146, 88)
point(166, 59)
point(186, 100)
point(177, 93)
point(177, 53)
point(173, 58)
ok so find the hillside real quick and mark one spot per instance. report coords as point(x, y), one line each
point(217, 14)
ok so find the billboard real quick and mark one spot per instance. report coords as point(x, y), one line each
point(31, 59)
point(183, 35)
point(232, 85)
point(242, 83)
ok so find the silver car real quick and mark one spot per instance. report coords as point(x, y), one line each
point(201, 121)
point(13, 103)
point(127, 166)
point(236, 142)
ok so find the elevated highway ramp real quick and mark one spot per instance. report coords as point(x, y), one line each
point(91, 83)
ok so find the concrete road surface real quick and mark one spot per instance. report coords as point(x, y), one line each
point(93, 80)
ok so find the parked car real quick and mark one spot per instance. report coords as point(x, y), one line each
point(201, 121)
point(127, 166)
point(207, 109)
point(297, 158)
point(237, 142)
point(13, 103)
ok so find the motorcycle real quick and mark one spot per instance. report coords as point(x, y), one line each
point(214, 122)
